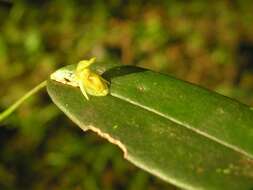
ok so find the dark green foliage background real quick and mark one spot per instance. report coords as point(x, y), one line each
point(206, 43)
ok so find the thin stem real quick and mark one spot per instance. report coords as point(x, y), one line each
point(14, 106)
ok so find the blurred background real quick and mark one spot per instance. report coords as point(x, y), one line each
point(209, 43)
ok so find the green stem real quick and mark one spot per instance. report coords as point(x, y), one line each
point(14, 106)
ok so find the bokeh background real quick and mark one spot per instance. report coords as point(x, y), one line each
point(209, 43)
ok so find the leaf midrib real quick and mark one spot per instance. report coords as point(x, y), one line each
point(236, 149)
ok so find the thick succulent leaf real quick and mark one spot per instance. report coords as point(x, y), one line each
point(184, 134)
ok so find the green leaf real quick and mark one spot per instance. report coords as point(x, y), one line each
point(184, 134)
